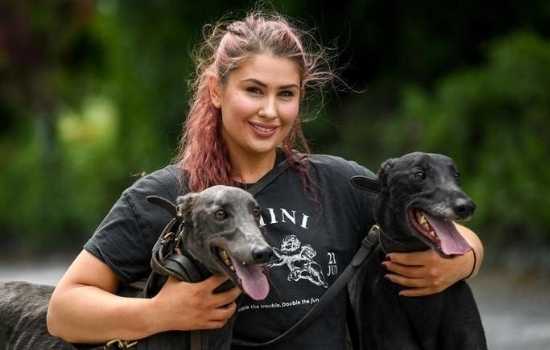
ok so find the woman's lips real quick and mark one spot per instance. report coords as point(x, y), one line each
point(263, 130)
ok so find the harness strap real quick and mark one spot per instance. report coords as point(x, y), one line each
point(178, 266)
point(366, 248)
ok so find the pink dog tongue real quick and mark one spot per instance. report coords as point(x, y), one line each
point(253, 280)
point(452, 242)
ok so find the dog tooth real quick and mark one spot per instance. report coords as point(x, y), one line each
point(423, 219)
point(223, 253)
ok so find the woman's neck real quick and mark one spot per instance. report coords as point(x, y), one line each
point(248, 168)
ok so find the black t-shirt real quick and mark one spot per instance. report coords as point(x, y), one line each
point(314, 236)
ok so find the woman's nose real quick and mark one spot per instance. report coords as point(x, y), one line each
point(269, 108)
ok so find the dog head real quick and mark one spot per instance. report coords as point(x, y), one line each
point(418, 198)
point(223, 233)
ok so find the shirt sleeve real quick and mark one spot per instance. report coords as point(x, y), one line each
point(365, 200)
point(125, 237)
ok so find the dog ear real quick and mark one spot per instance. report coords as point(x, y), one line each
point(387, 164)
point(163, 203)
point(185, 203)
point(382, 172)
point(366, 183)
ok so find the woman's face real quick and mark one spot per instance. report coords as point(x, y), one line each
point(259, 104)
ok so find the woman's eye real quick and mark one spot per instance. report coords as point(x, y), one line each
point(220, 214)
point(254, 90)
point(287, 94)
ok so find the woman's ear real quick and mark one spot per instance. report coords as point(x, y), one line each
point(215, 91)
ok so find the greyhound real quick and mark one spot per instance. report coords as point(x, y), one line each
point(215, 231)
point(417, 198)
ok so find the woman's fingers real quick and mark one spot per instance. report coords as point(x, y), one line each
point(426, 272)
point(414, 258)
point(407, 282)
point(213, 282)
point(404, 270)
point(188, 306)
point(221, 299)
point(224, 313)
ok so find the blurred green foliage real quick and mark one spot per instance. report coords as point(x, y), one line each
point(494, 120)
point(93, 93)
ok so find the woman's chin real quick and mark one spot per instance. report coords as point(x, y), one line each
point(263, 145)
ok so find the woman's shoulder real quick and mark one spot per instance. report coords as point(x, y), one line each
point(338, 165)
point(167, 181)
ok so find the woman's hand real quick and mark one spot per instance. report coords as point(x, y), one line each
point(190, 306)
point(428, 273)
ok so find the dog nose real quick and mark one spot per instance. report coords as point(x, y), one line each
point(464, 208)
point(262, 255)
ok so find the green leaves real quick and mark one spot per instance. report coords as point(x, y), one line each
point(493, 120)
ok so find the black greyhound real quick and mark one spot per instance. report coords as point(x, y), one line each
point(417, 199)
point(215, 231)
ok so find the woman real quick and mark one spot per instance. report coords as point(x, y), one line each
point(244, 120)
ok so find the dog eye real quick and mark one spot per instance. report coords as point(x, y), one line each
point(457, 176)
point(256, 212)
point(420, 175)
point(220, 214)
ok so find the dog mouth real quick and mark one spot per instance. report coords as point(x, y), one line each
point(249, 277)
point(438, 232)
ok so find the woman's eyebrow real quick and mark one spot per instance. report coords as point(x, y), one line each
point(256, 81)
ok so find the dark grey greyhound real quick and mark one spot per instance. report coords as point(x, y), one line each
point(417, 199)
point(215, 231)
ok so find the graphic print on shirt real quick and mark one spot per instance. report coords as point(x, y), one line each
point(332, 265)
point(299, 259)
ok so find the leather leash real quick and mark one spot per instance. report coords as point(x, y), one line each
point(367, 246)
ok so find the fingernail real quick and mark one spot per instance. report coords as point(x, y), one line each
point(388, 257)
point(388, 277)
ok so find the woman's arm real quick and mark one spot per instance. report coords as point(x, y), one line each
point(427, 272)
point(83, 308)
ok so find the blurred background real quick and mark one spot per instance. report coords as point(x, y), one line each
point(93, 94)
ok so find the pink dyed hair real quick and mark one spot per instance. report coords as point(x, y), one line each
point(202, 153)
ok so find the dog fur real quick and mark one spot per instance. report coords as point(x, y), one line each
point(218, 218)
point(407, 188)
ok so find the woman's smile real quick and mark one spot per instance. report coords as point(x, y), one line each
point(263, 130)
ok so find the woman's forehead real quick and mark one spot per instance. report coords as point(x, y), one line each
point(269, 70)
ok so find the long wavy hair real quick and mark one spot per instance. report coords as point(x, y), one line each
point(202, 153)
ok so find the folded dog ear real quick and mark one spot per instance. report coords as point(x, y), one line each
point(163, 203)
point(387, 164)
point(382, 172)
point(366, 183)
point(185, 203)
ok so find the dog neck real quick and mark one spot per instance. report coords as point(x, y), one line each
point(390, 245)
